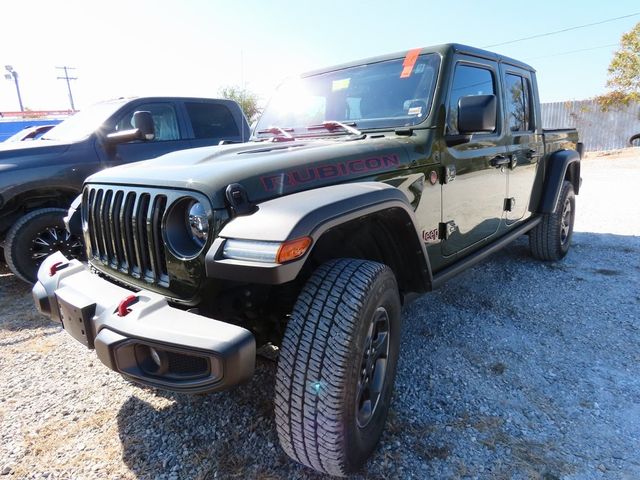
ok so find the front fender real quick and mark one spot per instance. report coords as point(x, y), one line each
point(308, 213)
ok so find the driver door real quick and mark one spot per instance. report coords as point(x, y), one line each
point(475, 180)
point(169, 135)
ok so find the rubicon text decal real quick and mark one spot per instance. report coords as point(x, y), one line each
point(292, 178)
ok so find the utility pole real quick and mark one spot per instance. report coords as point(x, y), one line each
point(68, 78)
point(13, 74)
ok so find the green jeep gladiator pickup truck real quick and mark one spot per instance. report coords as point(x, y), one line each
point(364, 184)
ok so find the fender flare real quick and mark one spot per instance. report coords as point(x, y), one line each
point(308, 213)
point(557, 166)
point(73, 219)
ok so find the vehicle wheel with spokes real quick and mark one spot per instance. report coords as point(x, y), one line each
point(337, 365)
point(34, 237)
point(551, 238)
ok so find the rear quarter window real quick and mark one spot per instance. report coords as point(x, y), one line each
point(211, 120)
point(518, 103)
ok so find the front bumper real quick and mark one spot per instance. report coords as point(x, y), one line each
point(148, 341)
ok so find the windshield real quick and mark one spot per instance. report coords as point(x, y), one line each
point(377, 95)
point(83, 123)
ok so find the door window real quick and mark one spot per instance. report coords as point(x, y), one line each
point(468, 80)
point(165, 121)
point(211, 120)
point(518, 103)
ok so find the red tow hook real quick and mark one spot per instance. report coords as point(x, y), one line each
point(53, 269)
point(123, 306)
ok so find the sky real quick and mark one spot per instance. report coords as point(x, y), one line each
point(195, 47)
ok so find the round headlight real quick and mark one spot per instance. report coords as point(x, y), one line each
point(198, 223)
point(186, 227)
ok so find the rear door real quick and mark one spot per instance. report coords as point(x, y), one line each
point(525, 145)
point(213, 122)
point(475, 188)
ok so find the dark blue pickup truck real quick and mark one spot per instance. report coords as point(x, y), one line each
point(40, 179)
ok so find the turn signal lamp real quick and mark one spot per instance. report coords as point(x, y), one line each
point(266, 252)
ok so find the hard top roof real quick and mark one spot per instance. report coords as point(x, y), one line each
point(444, 49)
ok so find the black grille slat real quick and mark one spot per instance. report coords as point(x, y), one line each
point(125, 230)
point(106, 226)
point(154, 232)
point(139, 272)
point(87, 207)
point(151, 241)
point(116, 233)
point(141, 233)
point(97, 224)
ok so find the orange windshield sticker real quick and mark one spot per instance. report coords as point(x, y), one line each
point(409, 61)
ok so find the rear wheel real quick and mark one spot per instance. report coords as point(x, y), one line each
point(551, 238)
point(36, 236)
point(337, 366)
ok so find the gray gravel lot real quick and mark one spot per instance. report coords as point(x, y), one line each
point(515, 369)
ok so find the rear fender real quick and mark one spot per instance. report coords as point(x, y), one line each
point(562, 165)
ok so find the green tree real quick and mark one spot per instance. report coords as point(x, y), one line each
point(624, 72)
point(247, 100)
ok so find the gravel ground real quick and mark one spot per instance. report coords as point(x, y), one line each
point(515, 369)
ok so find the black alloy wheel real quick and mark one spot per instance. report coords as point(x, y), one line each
point(34, 237)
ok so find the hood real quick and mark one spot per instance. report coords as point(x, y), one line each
point(265, 169)
point(17, 150)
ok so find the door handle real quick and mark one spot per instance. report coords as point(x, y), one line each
point(531, 153)
point(499, 161)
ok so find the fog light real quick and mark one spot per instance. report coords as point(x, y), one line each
point(151, 360)
point(155, 356)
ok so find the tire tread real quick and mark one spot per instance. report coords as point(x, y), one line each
point(315, 349)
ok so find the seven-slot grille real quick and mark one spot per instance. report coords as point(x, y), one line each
point(125, 230)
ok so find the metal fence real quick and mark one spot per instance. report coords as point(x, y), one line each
point(598, 130)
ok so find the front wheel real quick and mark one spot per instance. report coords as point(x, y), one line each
point(551, 238)
point(337, 366)
point(34, 237)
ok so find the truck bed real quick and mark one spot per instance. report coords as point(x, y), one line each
point(560, 139)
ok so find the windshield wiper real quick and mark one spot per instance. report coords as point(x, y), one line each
point(331, 125)
point(280, 134)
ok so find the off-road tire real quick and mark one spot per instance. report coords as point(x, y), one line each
point(321, 365)
point(551, 238)
point(18, 243)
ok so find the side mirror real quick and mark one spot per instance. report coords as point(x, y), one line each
point(477, 114)
point(144, 130)
point(143, 121)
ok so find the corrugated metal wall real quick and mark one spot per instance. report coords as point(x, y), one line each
point(598, 130)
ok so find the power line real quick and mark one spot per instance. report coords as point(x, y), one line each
point(68, 78)
point(573, 51)
point(562, 31)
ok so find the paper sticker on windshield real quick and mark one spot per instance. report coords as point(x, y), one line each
point(420, 68)
point(340, 84)
point(415, 111)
